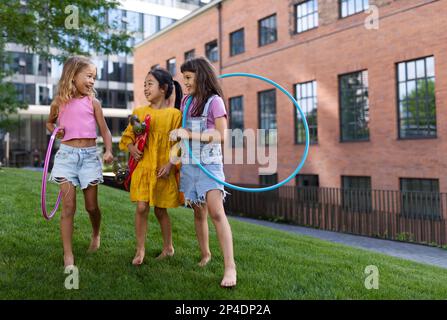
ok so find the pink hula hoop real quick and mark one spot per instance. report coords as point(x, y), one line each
point(43, 192)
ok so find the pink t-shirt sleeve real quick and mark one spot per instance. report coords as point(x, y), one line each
point(216, 110)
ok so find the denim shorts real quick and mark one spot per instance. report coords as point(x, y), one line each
point(195, 184)
point(80, 166)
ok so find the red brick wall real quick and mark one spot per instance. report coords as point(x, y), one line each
point(409, 29)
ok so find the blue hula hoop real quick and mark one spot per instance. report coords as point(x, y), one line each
point(234, 187)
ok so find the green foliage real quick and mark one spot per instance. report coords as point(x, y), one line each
point(51, 30)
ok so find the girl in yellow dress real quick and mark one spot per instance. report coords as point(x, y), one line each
point(154, 181)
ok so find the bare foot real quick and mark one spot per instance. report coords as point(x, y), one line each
point(165, 254)
point(229, 278)
point(205, 260)
point(94, 244)
point(139, 257)
point(68, 260)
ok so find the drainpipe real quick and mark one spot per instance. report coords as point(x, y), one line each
point(219, 41)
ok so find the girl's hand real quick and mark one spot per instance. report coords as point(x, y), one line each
point(61, 133)
point(164, 171)
point(134, 152)
point(108, 157)
point(178, 134)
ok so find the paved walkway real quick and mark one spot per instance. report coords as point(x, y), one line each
point(409, 251)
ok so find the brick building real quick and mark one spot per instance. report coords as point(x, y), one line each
point(374, 91)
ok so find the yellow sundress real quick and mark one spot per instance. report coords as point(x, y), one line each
point(163, 192)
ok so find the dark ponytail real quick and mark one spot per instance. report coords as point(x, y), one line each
point(165, 81)
point(178, 94)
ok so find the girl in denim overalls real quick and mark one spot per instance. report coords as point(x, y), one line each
point(206, 124)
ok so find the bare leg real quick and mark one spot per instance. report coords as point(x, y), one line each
point(166, 232)
point(141, 214)
point(223, 230)
point(201, 225)
point(91, 205)
point(67, 216)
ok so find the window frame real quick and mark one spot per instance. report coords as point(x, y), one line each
point(296, 18)
point(398, 94)
point(260, 44)
point(297, 122)
point(340, 4)
point(340, 105)
point(232, 54)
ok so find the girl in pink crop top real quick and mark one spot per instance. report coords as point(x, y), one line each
point(78, 119)
point(76, 163)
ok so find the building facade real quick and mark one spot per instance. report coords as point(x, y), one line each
point(36, 79)
point(371, 77)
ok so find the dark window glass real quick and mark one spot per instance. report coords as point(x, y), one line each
point(268, 32)
point(356, 194)
point(267, 116)
point(237, 121)
point(420, 198)
point(354, 106)
point(237, 45)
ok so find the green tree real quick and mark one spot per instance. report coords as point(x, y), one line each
point(54, 29)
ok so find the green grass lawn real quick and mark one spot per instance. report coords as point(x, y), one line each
point(271, 264)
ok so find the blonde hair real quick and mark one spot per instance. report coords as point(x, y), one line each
point(66, 89)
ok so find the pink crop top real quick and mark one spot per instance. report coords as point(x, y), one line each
point(78, 119)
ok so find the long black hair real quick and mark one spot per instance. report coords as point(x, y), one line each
point(166, 82)
point(207, 83)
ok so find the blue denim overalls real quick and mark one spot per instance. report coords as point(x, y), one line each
point(194, 183)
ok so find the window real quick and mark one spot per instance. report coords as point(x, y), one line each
point(267, 116)
point(114, 98)
point(103, 97)
point(268, 180)
point(237, 45)
point(237, 120)
point(44, 94)
point(211, 51)
point(135, 25)
point(267, 30)
point(165, 22)
point(171, 66)
point(306, 95)
point(129, 72)
point(354, 106)
point(21, 62)
point(43, 67)
point(116, 71)
point(420, 198)
point(356, 194)
point(350, 7)
point(117, 19)
point(307, 180)
point(306, 15)
point(151, 25)
point(190, 54)
point(307, 188)
point(26, 92)
point(417, 107)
